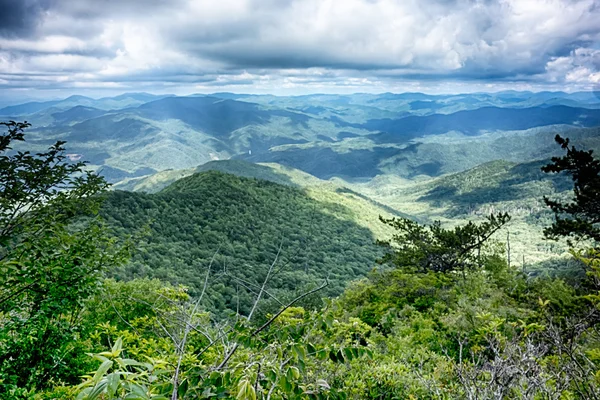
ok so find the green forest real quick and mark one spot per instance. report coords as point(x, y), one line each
point(246, 224)
point(236, 288)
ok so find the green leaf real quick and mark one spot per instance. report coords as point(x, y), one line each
point(183, 387)
point(292, 374)
point(83, 395)
point(113, 383)
point(271, 375)
point(117, 347)
point(285, 384)
point(246, 390)
point(348, 353)
point(97, 390)
point(137, 392)
point(104, 367)
point(299, 350)
point(333, 356)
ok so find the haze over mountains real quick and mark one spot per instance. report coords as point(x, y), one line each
point(355, 136)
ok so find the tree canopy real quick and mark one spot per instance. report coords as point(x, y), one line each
point(580, 217)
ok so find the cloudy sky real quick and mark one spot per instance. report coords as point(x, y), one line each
point(51, 47)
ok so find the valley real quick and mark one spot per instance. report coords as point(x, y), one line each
point(452, 158)
point(361, 239)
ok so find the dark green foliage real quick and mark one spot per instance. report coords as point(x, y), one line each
point(579, 218)
point(450, 319)
point(48, 265)
point(245, 220)
point(433, 248)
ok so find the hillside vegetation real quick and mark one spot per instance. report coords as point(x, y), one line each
point(250, 224)
point(243, 263)
point(390, 246)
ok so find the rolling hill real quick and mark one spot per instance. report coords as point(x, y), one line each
point(353, 137)
point(496, 186)
point(362, 210)
point(246, 222)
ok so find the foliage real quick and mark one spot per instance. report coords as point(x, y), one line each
point(446, 317)
point(433, 248)
point(246, 220)
point(579, 218)
point(48, 264)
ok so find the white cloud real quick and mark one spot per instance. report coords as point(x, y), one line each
point(300, 42)
point(581, 67)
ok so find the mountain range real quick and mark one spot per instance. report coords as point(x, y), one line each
point(446, 157)
point(353, 137)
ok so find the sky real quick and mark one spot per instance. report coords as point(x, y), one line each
point(50, 48)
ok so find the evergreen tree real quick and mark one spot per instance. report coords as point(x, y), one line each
point(432, 248)
point(579, 218)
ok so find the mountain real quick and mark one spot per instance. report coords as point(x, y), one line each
point(245, 222)
point(353, 137)
point(430, 156)
point(76, 114)
point(473, 122)
point(182, 132)
point(105, 103)
point(26, 108)
point(471, 195)
point(363, 210)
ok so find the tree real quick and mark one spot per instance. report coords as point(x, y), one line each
point(433, 248)
point(579, 218)
point(50, 259)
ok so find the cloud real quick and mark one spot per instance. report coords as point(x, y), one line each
point(283, 42)
point(21, 17)
point(580, 66)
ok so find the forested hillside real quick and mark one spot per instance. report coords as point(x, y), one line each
point(249, 224)
point(385, 255)
point(243, 266)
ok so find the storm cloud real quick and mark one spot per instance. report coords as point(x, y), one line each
point(307, 44)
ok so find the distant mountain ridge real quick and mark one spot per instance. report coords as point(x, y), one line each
point(356, 136)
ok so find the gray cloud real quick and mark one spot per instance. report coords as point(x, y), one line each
point(290, 43)
point(21, 17)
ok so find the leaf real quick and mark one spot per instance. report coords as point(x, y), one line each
point(117, 347)
point(348, 353)
point(113, 383)
point(333, 356)
point(246, 390)
point(299, 350)
point(183, 387)
point(285, 384)
point(137, 392)
point(100, 356)
point(97, 390)
point(105, 366)
point(292, 374)
point(321, 383)
point(83, 394)
point(271, 375)
point(329, 320)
